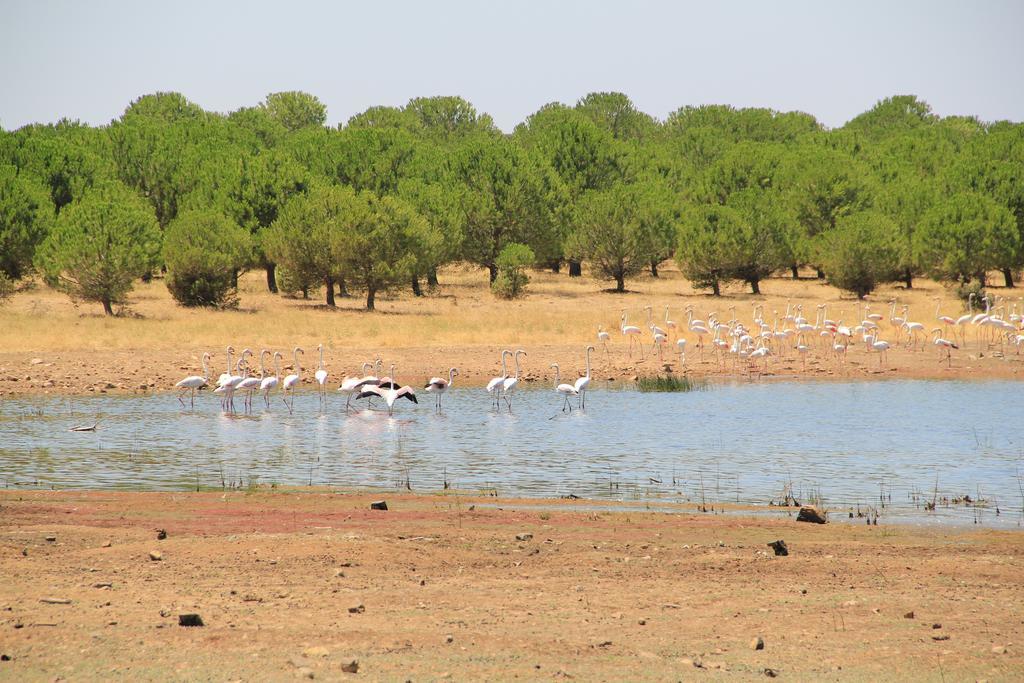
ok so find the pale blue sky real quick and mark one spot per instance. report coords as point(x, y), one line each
point(88, 60)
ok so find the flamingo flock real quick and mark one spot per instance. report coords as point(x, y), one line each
point(746, 346)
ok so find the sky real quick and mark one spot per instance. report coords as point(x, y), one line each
point(89, 60)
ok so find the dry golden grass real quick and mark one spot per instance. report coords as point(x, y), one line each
point(463, 313)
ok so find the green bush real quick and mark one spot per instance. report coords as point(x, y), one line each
point(860, 253)
point(964, 292)
point(204, 250)
point(511, 281)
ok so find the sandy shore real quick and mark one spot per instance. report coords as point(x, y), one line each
point(302, 583)
point(49, 345)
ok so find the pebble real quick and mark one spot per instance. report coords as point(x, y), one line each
point(51, 539)
point(909, 615)
point(449, 639)
point(316, 651)
point(156, 555)
point(357, 609)
point(106, 544)
point(305, 672)
point(351, 667)
point(55, 601)
point(190, 620)
point(757, 643)
point(379, 505)
point(524, 537)
point(999, 649)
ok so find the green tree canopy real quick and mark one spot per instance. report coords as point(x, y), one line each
point(861, 252)
point(204, 250)
point(295, 109)
point(26, 216)
point(965, 236)
point(99, 245)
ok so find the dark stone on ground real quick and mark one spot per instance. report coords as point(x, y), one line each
point(190, 620)
point(809, 513)
point(779, 547)
point(379, 505)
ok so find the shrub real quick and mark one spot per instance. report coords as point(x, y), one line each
point(860, 253)
point(6, 286)
point(964, 292)
point(511, 281)
point(204, 250)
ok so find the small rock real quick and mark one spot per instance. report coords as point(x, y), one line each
point(379, 505)
point(809, 513)
point(106, 544)
point(909, 615)
point(999, 649)
point(190, 620)
point(351, 667)
point(305, 672)
point(5, 658)
point(687, 661)
point(603, 643)
point(103, 585)
point(449, 639)
point(942, 637)
point(524, 537)
point(936, 626)
point(642, 622)
point(757, 643)
point(339, 574)
point(770, 673)
point(51, 539)
point(779, 547)
point(357, 609)
point(55, 601)
point(161, 534)
point(316, 651)
point(156, 555)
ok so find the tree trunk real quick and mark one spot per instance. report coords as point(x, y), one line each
point(492, 271)
point(556, 266)
point(416, 286)
point(107, 308)
point(716, 289)
point(575, 268)
point(796, 271)
point(371, 294)
point(342, 288)
point(908, 278)
point(234, 278)
point(272, 277)
point(982, 279)
point(755, 286)
point(1008, 277)
point(432, 277)
point(329, 282)
point(821, 273)
point(305, 293)
point(654, 269)
point(620, 283)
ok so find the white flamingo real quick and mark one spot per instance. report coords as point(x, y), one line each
point(193, 382)
point(438, 386)
point(944, 345)
point(391, 393)
point(225, 375)
point(292, 380)
point(268, 384)
point(699, 328)
point(510, 383)
point(964, 320)
point(563, 389)
point(495, 385)
point(881, 347)
point(670, 324)
point(227, 387)
point(249, 384)
point(604, 338)
point(351, 385)
point(633, 332)
point(681, 344)
point(321, 376)
point(584, 382)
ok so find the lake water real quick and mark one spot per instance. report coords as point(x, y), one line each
point(856, 444)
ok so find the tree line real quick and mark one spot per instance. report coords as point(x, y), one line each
point(733, 195)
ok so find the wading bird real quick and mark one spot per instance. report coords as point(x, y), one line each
point(321, 376)
point(290, 382)
point(633, 332)
point(495, 385)
point(563, 389)
point(583, 382)
point(510, 383)
point(439, 385)
point(352, 385)
point(944, 345)
point(268, 384)
point(389, 394)
point(193, 382)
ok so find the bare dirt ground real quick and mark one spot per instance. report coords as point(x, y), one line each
point(302, 583)
point(50, 345)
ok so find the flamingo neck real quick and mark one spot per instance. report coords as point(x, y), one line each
point(206, 372)
point(588, 361)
